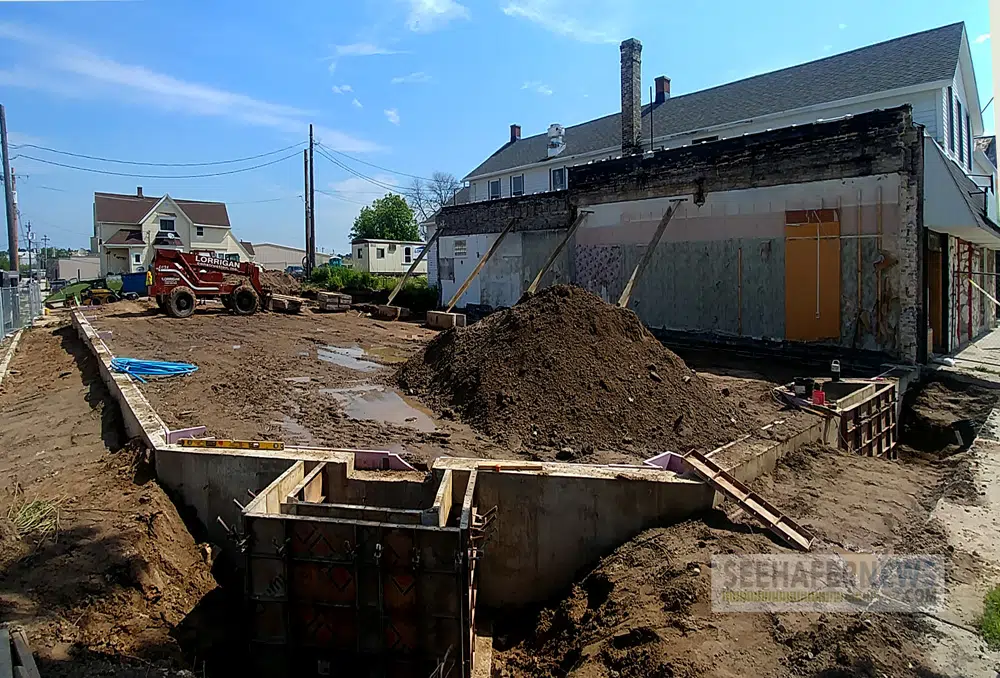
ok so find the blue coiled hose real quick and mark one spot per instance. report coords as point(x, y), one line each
point(143, 369)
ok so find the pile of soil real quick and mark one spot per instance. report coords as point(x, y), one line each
point(281, 283)
point(565, 369)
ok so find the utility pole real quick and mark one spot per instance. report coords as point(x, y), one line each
point(311, 245)
point(45, 255)
point(27, 229)
point(305, 196)
point(8, 186)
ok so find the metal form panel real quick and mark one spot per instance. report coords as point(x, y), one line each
point(870, 427)
point(331, 594)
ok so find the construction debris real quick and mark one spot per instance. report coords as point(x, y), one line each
point(565, 368)
point(286, 304)
point(333, 302)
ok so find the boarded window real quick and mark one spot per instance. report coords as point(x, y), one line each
point(461, 248)
point(447, 268)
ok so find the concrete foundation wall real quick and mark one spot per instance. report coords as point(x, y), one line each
point(550, 527)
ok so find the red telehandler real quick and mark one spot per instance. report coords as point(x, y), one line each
point(178, 279)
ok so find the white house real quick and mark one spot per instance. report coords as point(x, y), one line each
point(932, 71)
point(386, 257)
point(128, 228)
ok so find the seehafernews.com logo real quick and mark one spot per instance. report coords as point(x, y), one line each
point(826, 582)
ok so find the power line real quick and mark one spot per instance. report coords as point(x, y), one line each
point(158, 164)
point(340, 197)
point(376, 182)
point(371, 164)
point(159, 176)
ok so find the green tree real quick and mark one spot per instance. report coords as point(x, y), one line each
point(388, 218)
point(4, 262)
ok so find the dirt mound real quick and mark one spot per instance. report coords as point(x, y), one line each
point(566, 370)
point(281, 283)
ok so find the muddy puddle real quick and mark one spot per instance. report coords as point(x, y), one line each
point(378, 403)
point(351, 357)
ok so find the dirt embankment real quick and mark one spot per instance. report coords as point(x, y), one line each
point(565, 369)
point(115, 584)
point(281, 283)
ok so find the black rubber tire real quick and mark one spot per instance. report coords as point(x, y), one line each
point(160, 303)
point(227, 302)
point(245, 300)
point(181, 302)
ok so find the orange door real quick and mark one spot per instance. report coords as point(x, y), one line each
point(812, 281)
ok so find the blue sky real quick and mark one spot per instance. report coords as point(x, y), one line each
point(413, 86)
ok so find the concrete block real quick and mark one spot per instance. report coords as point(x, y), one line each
point(286, 304)
point(439, 320)
point(333, 302)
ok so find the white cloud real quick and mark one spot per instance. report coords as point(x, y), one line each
point(411, 79)
point(537, 86)
point(392, 115)
point(55, 66)
point(341, 89)
point(356, 103)
point(982, 38)
point(429, 15)
point(841, 26)
point(596, 21)
point(359, 49)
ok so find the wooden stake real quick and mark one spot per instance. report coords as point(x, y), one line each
point(482, 262)
point(533, 287)
point(413, 266)
point(641, 266)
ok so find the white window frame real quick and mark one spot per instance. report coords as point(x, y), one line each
point(552, 178)
point(499, 185)
point(461, 248)
point(199, 231)
point(380, 253)
point(407, 255)
point(512, 191)
point(137, 257)
point(168, 220)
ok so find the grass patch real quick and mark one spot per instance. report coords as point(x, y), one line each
point(990, 624)
point(37, 518)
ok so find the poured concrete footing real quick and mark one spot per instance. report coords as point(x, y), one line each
point(440, 320)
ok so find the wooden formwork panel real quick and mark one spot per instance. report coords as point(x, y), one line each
point(368, 599)
point(870, 427)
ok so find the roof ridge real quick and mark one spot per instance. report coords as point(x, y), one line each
point(770, 73)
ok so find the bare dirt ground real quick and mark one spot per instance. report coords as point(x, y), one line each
point(328, 379)
point(113, 589)
point(645, 610)
point(309, 379)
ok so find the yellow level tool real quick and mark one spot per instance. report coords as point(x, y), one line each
point(232, 444)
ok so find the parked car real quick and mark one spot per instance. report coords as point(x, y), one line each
point(296, 272)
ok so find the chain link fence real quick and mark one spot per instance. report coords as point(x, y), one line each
point(19, 306)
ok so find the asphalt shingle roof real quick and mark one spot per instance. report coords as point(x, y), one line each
point(115, 208)
point(903, 62)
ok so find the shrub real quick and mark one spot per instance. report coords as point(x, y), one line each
point(990, 624)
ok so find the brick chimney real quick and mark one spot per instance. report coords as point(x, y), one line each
point(515, 133)
point(138, 191)
point(631, 96)
point(662, 89)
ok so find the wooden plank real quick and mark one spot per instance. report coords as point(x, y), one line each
point(6, 661)
point(580, 218)
point(482, 262)
point(23, 652)
point(647, 257)
point(750, 501)
point(294, 494)
point(413, 266)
